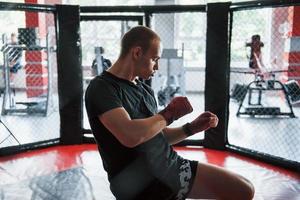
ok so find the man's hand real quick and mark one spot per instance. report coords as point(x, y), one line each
point(203, 122)
point(178, 107)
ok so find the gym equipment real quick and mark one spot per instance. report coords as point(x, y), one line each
point(258, 87)
point(238, 92)
point(168, 92)
point(9, 105)
point(171, 78)
point(28, 36)
point(293, 90)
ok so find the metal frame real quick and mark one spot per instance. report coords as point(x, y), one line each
point(30, 146)
point(137, 18)
point(7, 95)
point(259, 86)
point(262, 4)
point(144, 9)
point(26, 7)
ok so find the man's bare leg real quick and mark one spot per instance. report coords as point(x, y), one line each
point(213, 182)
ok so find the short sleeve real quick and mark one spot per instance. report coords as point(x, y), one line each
point(102, 96)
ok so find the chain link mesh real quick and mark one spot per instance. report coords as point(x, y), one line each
point(100, 42)
point(182, 64)
point(29, 100)
point(264, 81)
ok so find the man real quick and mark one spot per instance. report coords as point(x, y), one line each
point(134, 140)
point(255, 60)
point(100, 63)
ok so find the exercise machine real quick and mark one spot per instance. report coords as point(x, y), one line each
point(293, 90)
point(256, 90)
point(264, 82)
point(10, 105)
point(171, 78)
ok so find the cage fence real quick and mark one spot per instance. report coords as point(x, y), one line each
point(182, 63)
point(100, 41)
point(264, 81)
point(29, 100)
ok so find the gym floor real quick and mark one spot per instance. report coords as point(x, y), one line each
point(76, 172)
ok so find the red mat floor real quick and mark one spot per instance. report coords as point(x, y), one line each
point(76, 172)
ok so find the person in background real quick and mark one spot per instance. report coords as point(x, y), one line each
point(14, 56)
point(100, 63)
point(255, 60)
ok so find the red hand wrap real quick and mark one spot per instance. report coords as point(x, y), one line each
point(178, 107)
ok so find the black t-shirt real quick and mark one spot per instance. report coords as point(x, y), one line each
point(130, 170)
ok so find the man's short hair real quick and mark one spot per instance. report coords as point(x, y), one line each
point(137, 36)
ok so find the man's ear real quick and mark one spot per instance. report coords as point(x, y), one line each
point(137, 52)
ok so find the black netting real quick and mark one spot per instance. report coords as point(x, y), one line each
point(29, 100)
point(182, 64)
point(100, 47)
point(264, 81)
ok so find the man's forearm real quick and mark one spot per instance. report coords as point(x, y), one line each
point(174, 135)
point(144, 129)
point(132, 132)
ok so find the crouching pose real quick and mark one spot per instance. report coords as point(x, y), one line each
point(134, 138)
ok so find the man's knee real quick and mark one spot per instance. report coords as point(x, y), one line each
point(247, 190)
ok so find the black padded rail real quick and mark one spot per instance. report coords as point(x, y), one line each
point(26, 7)
point(217, 70)
point(70, 87)
point(144, 9)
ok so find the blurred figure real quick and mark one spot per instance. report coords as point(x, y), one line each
point(100, 63)
point(255, 60)
point(14, 56)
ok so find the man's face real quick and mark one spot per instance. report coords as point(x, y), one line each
point(149, 61)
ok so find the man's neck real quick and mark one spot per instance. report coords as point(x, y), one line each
point(123, 70)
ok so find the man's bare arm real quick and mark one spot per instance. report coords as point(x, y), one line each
point(203, 122)
point(131, 132)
